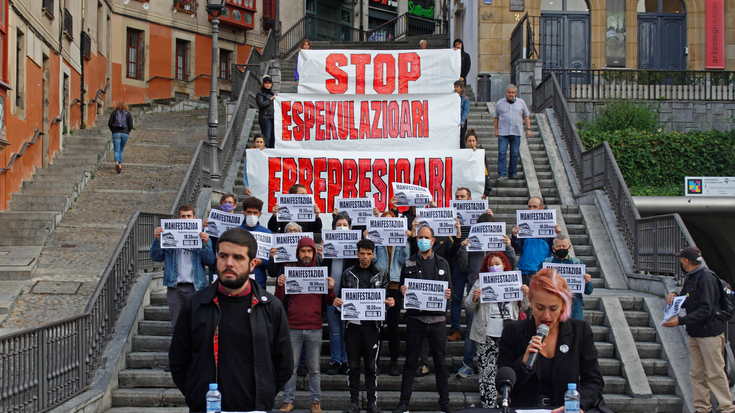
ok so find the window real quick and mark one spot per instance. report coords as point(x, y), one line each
point(68, 25)
point(182, 53)
point(224, 64)
point(20, 69)
point(47, 8)
point(3, 39)
point(135, 54)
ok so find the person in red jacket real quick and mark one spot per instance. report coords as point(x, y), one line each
point(305, 322)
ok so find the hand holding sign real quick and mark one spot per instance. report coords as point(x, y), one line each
point(671, 310)
point(410, 195)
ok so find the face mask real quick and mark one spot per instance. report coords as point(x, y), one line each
point(424, 244)
point(511, 101)
point(251, 220)
point(227, 207)
point(496, 268)
point(561, 253)
point(342, 228)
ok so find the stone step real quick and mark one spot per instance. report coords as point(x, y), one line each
point(655, 367)
point(648, 350)
point(637, 318)
point(614, 384)
point(21, 202)
point(643, 334)
point(632, 303)
point(42, 183)
point(662, 384)
point(56, 191)
point(12, 226)
point(622, 403)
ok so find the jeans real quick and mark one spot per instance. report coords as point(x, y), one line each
point(336, 335)
point(118, 141)
point(312, 339)
point(436, 335)
point(176, 296)
point(515, 144)
point(266, 128)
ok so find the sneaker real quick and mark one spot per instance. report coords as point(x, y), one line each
point(447, 408)
point(344, 369)
point(286, 407)
point(354, 408)
point(465, 371)
point(372, 408)
point(401, 408)
point(502, 178)
point(394, 370)
point(422, 371)
point(333, 368)
point(302, 371)
point(454, 335)
point(118, 167)
point(316, 407)
point(514, 177)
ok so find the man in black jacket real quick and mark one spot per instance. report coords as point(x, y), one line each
point(362, 338)
point(233, 333)
point(466, 63)
point(425, 265)
point(280, 227)
point(706, 332)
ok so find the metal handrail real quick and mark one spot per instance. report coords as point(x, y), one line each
point(22, 151)
point(652, 241)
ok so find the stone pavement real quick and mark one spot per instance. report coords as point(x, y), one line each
point(156, 158)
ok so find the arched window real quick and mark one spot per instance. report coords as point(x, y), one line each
point(661, 6)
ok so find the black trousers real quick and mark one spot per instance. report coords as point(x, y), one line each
point(362, 342)
point(391, 317)
point(436, 335)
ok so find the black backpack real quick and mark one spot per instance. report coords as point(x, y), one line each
point(121, 120)
point(727, 300)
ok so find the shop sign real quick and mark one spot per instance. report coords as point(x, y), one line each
point(421, 8)
point(715, 34)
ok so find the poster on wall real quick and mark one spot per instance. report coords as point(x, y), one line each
point(615, 36)
point(714, 34)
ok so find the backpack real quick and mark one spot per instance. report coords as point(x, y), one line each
point(727, 301)
point(121, 120)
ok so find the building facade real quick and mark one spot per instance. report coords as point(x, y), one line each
point(62, 62)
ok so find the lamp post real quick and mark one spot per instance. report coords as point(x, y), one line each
point(214, 9)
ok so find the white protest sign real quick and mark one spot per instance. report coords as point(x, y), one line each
point(363, 304)
point(709, 186)
point(387, 232)
point(366, 122)
point(573, 274)
point(536, 223)
point(181, 233)
point(306, 280)
point(441, 220)
point(487, 236)
point(468, 211)
point(292, 207)
point(409, 195)
point(378, 71)
point(340, 243)
point(500, 287)
point(286, 245)
point(425, 295)
point(359, 209)
point(671, 310)
point(265, 243)
point(220, 221)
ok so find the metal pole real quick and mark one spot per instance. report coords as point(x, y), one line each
point(362, 30)
point(212, 119)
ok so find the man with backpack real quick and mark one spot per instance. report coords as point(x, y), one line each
point(120, 124)
point(705, 323)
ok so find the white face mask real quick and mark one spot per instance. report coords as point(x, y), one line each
point(342, 228)
point(251, 220)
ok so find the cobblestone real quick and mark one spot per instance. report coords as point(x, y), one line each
point(156, 158)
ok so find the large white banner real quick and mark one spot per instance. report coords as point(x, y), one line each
point(379, 71)
point(330, 174)
point(361, 122)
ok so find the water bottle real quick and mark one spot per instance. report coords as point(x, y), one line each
point(214, 399)
point(571, 399)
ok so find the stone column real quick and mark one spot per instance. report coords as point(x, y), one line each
point(528, 75)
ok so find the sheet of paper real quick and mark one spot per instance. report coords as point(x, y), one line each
point(306, 280)
point(487, 236)
point(265, 243)
point(671, 310)
point(425, 295)
point(387, 231)
point(573, 274)
point(500, 287)
point(411, 195)
point(299, 208)
point(359, 209)
point(468, 211)
point(286, 244)
point(536, 223)
point(220, 221)
point(339, 243)
point(363, 304)
point(441, 220)
point(181, 233)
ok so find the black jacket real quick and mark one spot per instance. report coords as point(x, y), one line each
point(125, 130)
point(265, 104)
point(352, 279)
point(466, 63)
point(191, 355)
point(280, 227)
point(703, 299)
point(440, 272)
point(578, 365)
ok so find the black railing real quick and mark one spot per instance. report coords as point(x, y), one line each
point(652, 241)
point(522, 43)
point(318, 29)
point(68, 24)
point(603, 84)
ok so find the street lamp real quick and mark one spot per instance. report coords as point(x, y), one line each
point(214, 9)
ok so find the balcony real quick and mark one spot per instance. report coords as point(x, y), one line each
point(186, 6)
point(48, 8)
point(68, 25)
point(86, 46)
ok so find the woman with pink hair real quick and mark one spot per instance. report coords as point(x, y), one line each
point(567, 355)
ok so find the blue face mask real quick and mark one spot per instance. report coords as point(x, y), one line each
point(227, 207)
point(424, 244)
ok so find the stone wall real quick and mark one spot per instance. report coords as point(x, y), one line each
point(681, 116)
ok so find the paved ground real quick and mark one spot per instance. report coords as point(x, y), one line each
point(156, 158)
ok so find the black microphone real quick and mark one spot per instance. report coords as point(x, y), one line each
point(504, 381)
point(542, 331)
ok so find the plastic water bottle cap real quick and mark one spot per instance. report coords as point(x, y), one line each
point(572, 386)
point(213, 386)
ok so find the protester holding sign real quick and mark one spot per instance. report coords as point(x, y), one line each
point(305, 45)
point(464, 109)
point(471, 143)
point(363, 337)
point(252, 208)
point(560, 249)
point(227, 204)
point(279, 227)
point(264, 100)
point(466, 62)
point(533, 251)
point(258, 143)
point(425, 324)
point(487, 326)
point(305, 322)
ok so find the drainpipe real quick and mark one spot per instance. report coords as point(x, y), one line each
point(81, 63)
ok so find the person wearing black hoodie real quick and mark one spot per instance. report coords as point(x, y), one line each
point(264, 100)
point(466, 62)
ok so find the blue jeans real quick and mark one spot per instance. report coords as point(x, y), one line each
point(312, 340)
point(266, 128)
point(459, 281)
point(118, 141)
point(515, 144)
point(336, 335)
